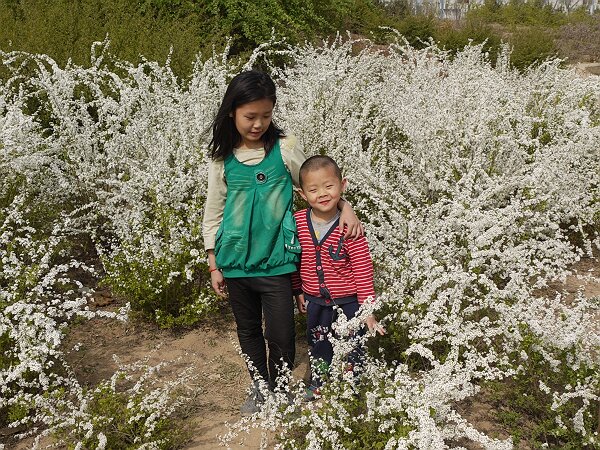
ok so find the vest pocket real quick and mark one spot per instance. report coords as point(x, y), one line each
point(228, 247)
point(290, 234)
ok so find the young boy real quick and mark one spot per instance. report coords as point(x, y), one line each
point(333, 272)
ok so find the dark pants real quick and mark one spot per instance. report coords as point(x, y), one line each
point(250, 299)
point(319, 319)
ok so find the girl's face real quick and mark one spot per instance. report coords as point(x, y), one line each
point(251, 121)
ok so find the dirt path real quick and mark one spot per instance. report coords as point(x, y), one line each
point(211, 348)
point(588, 68)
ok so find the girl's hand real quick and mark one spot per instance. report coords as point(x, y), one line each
point(301, 303)
point(218, 283)
point(372, 324)
point(348, 218)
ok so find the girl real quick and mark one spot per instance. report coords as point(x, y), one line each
point(248, 227)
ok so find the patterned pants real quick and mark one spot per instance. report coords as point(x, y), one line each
point(318, 323)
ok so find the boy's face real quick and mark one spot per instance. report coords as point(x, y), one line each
point(322, 189)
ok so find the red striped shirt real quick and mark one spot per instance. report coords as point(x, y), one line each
point(346, 266)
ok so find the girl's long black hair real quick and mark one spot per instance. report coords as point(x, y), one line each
point(244, 88)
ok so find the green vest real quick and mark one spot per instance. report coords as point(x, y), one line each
point(257, 236)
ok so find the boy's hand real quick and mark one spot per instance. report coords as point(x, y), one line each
point(372, 324)
point(218, 283)
point(300, 303)
point(348, 218)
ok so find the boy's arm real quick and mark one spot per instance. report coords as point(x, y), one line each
point(297, 291)
point(296, 283)
point(373, 325)
point(301, 303)
point(362, 268)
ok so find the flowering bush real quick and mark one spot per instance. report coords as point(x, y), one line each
point(477, 185)
point(135, 177)
point(81, 180)
point(127, 411)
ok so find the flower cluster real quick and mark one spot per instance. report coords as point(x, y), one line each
point(103, 181)
point(477, 185)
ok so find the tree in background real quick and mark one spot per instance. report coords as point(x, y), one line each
point(181, 28)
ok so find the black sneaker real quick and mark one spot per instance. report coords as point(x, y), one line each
point(254, 401)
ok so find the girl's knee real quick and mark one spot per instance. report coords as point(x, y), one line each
point(247, 333)
point(282, 345)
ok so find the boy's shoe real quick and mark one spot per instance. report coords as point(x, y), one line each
point(312, 393)
point(254, 401)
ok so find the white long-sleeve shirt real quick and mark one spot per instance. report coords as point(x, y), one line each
point(293, 157)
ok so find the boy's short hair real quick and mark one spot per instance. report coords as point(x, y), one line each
point(317, 162)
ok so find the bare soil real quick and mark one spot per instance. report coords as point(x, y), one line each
point(210, 347)
point(580, 42)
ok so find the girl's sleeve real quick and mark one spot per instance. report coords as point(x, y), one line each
point(215, 203)
point(293, 157)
